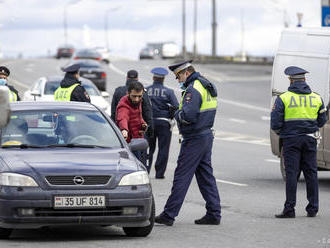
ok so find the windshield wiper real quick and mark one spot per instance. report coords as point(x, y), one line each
point(22, 146)
point(72, 145)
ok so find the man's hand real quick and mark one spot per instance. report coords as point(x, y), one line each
point(125, 134)
point(144, 127)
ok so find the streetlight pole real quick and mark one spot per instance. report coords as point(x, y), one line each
point(195, 29)
point(214, 29)
point(65, 26)
point(184, 29)
point(106, 26)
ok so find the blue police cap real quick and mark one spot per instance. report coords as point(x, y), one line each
point(295, 72)
point(176, 68)
point(71, 68)
point(4, 70)
point(159, 72)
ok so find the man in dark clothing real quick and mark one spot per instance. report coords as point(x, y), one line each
point(70, 88)
point(297, 116)
point(132, 76)
point(13, 93)
point(164, 104)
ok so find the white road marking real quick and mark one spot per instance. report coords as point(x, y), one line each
point(237, 120)
point(272, 160)
point(114, 68)
point(232, 183)
point(265, 118)
point(244, 105)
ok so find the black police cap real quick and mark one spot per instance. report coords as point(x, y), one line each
point(4, 70)
point(132, 74)
point(71, 68)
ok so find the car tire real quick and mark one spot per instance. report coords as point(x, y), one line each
point(5, 233)
point(282, 167)
point(145, 230)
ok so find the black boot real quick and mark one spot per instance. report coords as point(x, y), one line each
point(207, 221)
point(162, 220)
point(284, 215)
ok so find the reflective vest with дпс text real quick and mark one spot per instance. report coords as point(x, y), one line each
point(301, 106)
point(208, 102)
point(64, 94)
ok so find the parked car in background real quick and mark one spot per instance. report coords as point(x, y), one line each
point(65, 51)
point(105, 54)
point(147, 53)
point(43, 90)
point(65, 163)
point(169, 50)
point(87, 54)
point(92, 70)
point(160, 50)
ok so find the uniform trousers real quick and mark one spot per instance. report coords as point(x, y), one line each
point(300, 155)
point(194, 159)
point(162, 133)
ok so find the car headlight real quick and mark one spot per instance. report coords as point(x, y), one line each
point(13, 179)
point(135, 178)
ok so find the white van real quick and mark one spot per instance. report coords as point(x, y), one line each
point(310, 50)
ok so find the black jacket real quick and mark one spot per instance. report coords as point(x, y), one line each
point(15, 91)
point(146, 106)
point(79, 94)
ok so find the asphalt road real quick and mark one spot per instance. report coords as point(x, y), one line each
point(248, 175)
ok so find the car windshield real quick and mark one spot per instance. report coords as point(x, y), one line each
point(76, 128)
point(51, 86)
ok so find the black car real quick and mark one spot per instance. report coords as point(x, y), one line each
point(65, 51)
point(66, 163)
point(87, 54)
point(94, 71)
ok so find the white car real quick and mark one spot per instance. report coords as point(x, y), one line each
point(105, 54)
point(43, 90)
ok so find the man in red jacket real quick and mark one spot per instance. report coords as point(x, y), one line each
point(129, 113)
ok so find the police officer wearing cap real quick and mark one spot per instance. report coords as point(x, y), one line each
point(164, 104)
point(70, 88)
point(12, 93)
point(297, 116)
point(195, 119)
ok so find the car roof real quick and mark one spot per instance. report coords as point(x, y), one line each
point(51, 105)
point(85, 81)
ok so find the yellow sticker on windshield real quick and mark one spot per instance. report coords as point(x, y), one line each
point(13, 117)
point(70, 118)
point(12, 143)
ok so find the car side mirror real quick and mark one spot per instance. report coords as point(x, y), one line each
point(105, 94)
point(138, 144)
point(35, 93)
point(4, 106)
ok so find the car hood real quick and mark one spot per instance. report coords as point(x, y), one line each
point(67, 161)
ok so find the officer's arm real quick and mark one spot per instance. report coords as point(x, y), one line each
point(79, 94)
point(147, 114)
point(322, 116)
point(191, 103)
point(114, 103)
point(277, 116)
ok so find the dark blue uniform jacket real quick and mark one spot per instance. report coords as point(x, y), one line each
point(295, 128)
point(163, 100)
point(191, 121)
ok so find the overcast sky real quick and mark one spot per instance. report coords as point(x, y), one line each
point(35, 27)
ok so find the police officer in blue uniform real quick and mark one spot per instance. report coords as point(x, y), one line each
point(297, 116)
point(13, 93)
point(70, 87)
point(164, 104)
point(195, 119)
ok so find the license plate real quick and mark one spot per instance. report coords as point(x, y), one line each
point(86, 201)
point(89, 75)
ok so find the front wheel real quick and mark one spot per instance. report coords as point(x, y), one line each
point(145, 230)
point(5, 233)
